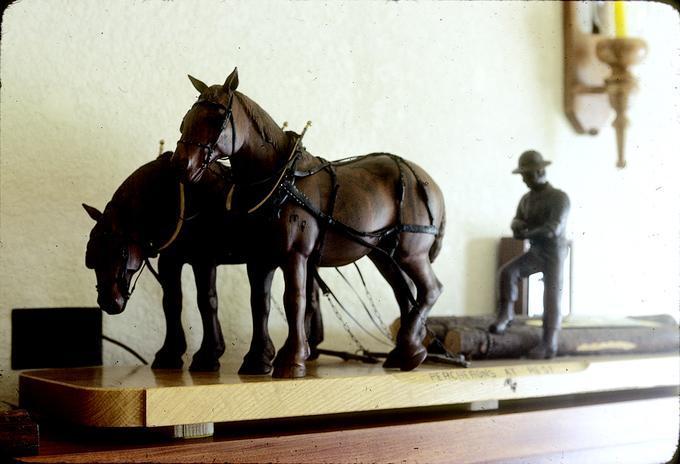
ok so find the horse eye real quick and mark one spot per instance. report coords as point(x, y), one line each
point(222, 111)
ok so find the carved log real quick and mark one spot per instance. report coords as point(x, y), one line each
point(469, 336)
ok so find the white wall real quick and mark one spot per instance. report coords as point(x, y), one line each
point(88, 89)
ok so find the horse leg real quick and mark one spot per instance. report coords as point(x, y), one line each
point(410, 352)
point(207, 358)
point(313, 321)
point(258, 360)
point(403, 289)
point(174, 346)
point(401, 284)
point(290, 362)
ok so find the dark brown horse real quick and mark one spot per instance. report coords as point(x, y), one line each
point(142, 218)
point(305, 210)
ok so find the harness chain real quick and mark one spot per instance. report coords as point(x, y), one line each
point(381, 323)
point(374, 318)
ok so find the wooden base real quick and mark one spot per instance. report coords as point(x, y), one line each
point(141, 397)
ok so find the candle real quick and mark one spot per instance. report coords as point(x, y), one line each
point(620, 18)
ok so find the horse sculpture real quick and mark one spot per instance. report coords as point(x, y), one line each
point(146, 216)
point(306, 212)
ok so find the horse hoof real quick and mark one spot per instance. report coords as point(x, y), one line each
point(294, 371)
point(392, 361)
point(252, 368)
point(165, 362)
point(413, 361)
point(205, 365)
point(257, 362)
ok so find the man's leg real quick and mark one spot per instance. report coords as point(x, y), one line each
point(552, 315)
point(507, 292)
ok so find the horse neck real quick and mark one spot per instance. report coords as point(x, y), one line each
point(265, 145)
point(142, 207)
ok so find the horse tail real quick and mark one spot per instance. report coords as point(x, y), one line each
point(437, 245)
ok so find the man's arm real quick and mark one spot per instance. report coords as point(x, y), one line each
point(519, 225)
point(557, 219)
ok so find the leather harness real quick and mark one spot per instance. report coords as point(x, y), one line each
point(285, 188)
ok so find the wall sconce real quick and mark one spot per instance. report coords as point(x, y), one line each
point(596, 67)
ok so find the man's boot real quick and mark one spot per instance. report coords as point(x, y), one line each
point(504, 319)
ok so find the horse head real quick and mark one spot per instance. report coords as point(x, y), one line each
point(209, 129)
point(115, 258)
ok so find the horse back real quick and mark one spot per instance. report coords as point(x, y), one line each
point(388, 189)
point(376, 192)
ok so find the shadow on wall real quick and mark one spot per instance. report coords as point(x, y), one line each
point(480, 270)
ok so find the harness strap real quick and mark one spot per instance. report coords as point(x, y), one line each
point(353, 234)
point(292, 158)
point(421, 190)
point(310, 172)
point(331, 207)
point(180, 220)
point(419, 229)
point(302, 200)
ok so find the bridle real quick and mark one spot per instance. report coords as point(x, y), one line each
point(120, 278)
point(148, 249)
point(210, 149)
point(124, 256)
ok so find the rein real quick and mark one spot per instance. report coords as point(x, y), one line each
point(284, 170)
point(146, 263)
point(180, 220)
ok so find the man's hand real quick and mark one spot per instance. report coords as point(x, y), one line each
point(520, 234)
point(519, 228)
point(543, 232)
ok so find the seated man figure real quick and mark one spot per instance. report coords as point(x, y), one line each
point(541, 218)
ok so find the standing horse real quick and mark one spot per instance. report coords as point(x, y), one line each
point(306, 210)
point(144, 217)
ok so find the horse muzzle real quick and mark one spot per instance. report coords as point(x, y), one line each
point(112, 306)
point(186, 166)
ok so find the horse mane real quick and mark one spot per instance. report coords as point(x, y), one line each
point(265, 124)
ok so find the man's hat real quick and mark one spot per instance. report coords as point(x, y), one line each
point(529, 161)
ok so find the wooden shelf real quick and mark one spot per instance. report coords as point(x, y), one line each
point(141, 397)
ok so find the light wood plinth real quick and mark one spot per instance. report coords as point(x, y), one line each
point(139, 396)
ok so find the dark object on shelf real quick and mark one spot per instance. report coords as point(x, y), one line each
point(18, 434)
point(305, 210)
point(56, 337)
point(541, 218)
point(468, 335)
point(153, 213)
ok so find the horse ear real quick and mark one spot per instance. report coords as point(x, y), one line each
point(93, 212)
point(232, 81)
point(198, 85)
